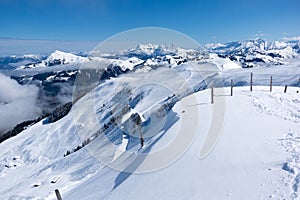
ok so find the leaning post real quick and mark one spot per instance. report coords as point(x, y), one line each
point(212, 94)
point(231, 88)
point(251, 81)
point(271, 83)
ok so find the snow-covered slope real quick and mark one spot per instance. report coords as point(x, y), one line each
point(151, 50)
point(127, 63)
point(223, 63)
point(70, 154)
point(251, 46)
point(12, 62)
point(249, 161)
point(158, 92)
point(57, 58)
point(65, 57)
point(258, 52)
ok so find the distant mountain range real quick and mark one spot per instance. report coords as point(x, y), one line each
point(104, 111)
point(56, 73)
point(257, 52)
point(249, 53)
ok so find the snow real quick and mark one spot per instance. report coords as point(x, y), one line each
point(246, 162)
point(277, 45)
point(258, 48)
point(143, 69)
point(269, 104)
point(34, 56)
point(244, 146)
point(286, 52)
point(214, 45)
point(128, 63)
point(290, 142)
point(147, 49)
point(223, 63)
point(67, 57)
point(151, 62)
point(257, 52)
point(63, 57)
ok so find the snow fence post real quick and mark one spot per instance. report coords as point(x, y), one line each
point(271, 82)
point(231, 88)
point(212, 94)
point(58, 196)
point(285, 88)
point(251, 81)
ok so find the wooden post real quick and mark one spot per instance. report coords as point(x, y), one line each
point(58, 196)
point(231, 88)
point(212, 94)
point(271, 82)
point(285, 88)
point(141, 138)
point(251, 81)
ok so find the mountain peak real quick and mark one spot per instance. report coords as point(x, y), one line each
point(65, 58)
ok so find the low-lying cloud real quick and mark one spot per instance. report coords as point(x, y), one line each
point(18, 103)
point(291, 38)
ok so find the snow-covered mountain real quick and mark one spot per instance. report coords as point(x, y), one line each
point(39, 157)
point(63, 58)
point(252, 46)
point(128, 106)
point(257, 52)
point(55, 74)
point(57, 58)
point(250, 53)
point(151, 50)
point(12, 62)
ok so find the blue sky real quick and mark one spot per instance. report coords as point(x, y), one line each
point(205, 21)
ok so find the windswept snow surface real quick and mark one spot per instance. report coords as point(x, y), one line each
point(247, 163)
point(255, 158)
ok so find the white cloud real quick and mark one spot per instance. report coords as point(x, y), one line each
point(260, 34)
point(290, 38)
point(285, 33)
point(17, 103)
